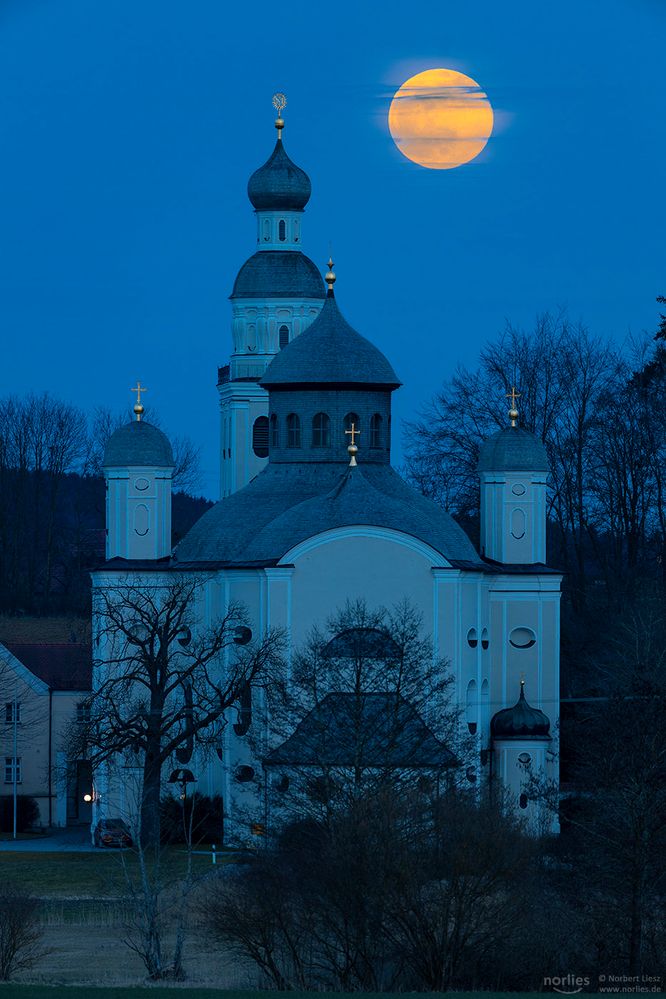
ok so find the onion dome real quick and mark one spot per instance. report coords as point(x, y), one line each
point(279, 274)
point(330, 352)
point(279, 185)
point(138, 443)
point(522, 721)
point(513, 449)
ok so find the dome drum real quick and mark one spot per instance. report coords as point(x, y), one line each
point(297, 434)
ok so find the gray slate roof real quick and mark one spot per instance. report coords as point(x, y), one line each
point(330, 352)
point(138, 443)
point(376, 730)
point(522, 721)
point(279, 274)
point(279, 184)
point(289, 503)
point(513, 449)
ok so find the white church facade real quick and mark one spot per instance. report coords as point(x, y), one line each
point(298, 529)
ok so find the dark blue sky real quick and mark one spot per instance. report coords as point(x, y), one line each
point(129, 130)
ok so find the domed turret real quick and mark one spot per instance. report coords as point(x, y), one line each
point(513, 468)
point(522, 721)
point(138, 466)
point(279, 185)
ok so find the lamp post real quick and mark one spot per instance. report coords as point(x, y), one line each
point(183, 777)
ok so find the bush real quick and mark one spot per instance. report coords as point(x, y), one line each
point(207, 822)
point(27, 812)
point(20, 933)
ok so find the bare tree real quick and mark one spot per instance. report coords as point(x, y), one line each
point(20, 932)
point(163, 684)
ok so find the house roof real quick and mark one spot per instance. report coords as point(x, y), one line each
point(374, 730)
point(61, 666)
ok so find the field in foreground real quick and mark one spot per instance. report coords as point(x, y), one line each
point(99, 874)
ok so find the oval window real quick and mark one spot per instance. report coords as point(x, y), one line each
point(518, 489)
point(141, 520)
point(518, 524)
point(472, 639)
point(141, 484)
point(484, 639)
point(522, 638)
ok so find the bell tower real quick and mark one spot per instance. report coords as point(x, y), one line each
point(277, 294)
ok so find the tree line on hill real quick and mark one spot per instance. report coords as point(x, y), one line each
point(52, 501)
point(600, 410)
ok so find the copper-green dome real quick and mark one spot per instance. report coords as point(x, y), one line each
point(330, 352)
point(279, 185)
point(513, 449)
point(138, 443)
point(522, 721)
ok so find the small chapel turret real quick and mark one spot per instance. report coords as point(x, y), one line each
point(513, 468)
point(138, 467)
point(277, 294)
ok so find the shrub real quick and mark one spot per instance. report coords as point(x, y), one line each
point(20, 933)
point(207, 821)
point(27, 812)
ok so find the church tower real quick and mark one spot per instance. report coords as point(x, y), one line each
point(138, 466)
point(513, 468)
point(277, 294)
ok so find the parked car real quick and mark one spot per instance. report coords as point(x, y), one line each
point(112, 832)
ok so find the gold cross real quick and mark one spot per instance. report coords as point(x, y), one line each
point(513, 395)
point(353, 433)
point(138, 389)
point(138, 408)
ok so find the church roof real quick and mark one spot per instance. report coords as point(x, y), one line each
point(522, 721)
point(289, 503)
point(279, 184)
point(513, 449)
point(330, 352)
point(138, 443)
point(376, 729)
point(278, 274)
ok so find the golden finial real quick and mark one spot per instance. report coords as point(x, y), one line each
point(138, 408)
point(330, 276)
point(513, 412)
point(279, 103)
point(353, 433)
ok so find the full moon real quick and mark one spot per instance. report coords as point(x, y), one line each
point(440, 119)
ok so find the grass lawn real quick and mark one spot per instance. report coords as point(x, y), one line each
point(96, 874)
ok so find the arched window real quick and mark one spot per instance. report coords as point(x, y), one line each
point(275, 431)
point(283, 334)
point(267, 230)
point(260, 437)
point(282, 230)
point(321, 430)
point(293, 430)
point(376, 430)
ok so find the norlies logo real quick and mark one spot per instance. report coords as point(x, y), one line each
point(566, 985)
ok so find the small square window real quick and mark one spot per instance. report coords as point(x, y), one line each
point(12, 769)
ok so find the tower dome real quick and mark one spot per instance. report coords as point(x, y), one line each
point(522, 721)
point(513, 449)
point(138, 444)
point(330, 352)
point(279, 185)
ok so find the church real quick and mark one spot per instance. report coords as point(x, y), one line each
point(311, 512)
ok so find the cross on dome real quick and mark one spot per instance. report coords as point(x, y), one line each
point(138, 408)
